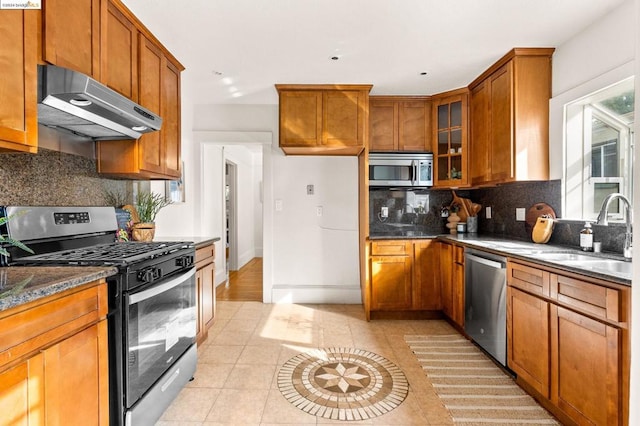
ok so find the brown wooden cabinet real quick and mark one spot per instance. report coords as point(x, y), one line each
point(452, 282)
point(155, 155)
point(119, 49)
point(54, 359)
point(400, 123)
point(71, 35)
point(568, 342)
point(205, 290)
point(18, 58)
point(404, 275)
point(510, 119)
point(451, 128)
point(323, 119)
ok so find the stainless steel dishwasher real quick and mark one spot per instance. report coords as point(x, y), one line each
point(485, 316)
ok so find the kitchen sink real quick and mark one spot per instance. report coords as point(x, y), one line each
point(567, 257)
point(606, 266)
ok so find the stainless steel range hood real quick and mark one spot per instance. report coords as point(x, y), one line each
point(73, 102)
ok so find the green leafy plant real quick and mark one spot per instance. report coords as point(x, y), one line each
point(5, 240)
point(148, 204)
point(116, 197)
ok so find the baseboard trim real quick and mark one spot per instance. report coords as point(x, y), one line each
point(316, 294)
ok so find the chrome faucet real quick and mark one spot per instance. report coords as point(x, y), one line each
point(603, 220)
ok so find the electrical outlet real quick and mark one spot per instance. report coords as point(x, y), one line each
point(278, 205)
point(487, 212)
point(384, 212)
point(520, 213)
point(319, 211)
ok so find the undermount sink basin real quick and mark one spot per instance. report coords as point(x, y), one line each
point(583, 261)
point(567, 257)
point(611, 266)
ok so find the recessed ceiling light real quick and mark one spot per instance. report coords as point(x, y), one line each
point(335, 58)
point(215, 72)
point(423, 73)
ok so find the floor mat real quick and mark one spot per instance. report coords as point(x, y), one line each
point(342, 383)
point(471, 386)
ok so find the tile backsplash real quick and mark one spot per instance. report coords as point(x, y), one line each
point(52, 178)
point(418, 212)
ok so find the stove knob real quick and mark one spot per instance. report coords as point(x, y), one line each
point(148, 275)
point(184, 261)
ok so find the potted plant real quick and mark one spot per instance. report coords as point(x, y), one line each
point(147, 206)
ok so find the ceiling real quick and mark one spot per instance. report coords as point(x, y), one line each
point(235, 51)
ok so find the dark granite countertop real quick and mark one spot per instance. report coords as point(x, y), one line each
point(23, 284)
point(525, 250)
point(199, 241)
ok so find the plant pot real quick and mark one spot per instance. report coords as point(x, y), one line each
point(143, 231)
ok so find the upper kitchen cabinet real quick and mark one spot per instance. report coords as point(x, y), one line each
point(450, 123)
point(510, 118)
point(71, 35)
point(399, 123)
point(323, 119)
point(119, 50)
point(18, 59)
point(152, 76)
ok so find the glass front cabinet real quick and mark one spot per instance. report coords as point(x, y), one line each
point(451, 133)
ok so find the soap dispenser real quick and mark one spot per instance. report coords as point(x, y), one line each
point(586, 238)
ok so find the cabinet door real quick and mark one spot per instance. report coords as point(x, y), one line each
point(586, 359)
point(390, 283)
point(343, 118)
point(446, 275)
point(414, 126)
point(528, 337)
point(71, 35)
point(383, 125)
point(150, 90)
point(208, 295)
point(170, 133)
point(450, 141)
point(119, 50)
point(76, 379)
point(22, 394)
point(426, 278)
point(479, 162)
point(501, 124)
point(300, 118)
point(457, 286)
point(19, 82)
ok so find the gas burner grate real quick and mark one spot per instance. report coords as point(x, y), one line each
point(105, 254)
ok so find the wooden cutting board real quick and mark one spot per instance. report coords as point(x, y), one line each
point(534, 213)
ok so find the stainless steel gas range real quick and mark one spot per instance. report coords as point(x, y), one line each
point(152, 301)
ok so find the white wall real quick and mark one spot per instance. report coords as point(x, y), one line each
point(299, 266)
point(603, 52)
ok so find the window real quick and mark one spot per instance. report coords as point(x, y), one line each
point(599, 150)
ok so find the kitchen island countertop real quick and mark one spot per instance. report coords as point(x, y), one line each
point(23, 284)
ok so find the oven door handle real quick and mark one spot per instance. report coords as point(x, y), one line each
point(155, 290)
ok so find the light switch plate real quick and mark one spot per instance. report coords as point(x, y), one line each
point(278, 205)
point(487, 212)
point(520, 213)
point(384, 212)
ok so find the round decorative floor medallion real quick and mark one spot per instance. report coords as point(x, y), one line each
point(342, 383)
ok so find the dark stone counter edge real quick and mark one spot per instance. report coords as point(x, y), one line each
point(77, 276)
point(198, 241)
point(505, 252)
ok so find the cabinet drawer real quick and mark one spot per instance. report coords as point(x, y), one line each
point(590, 298)
point(532, 280)
point(203, 253)
point(391, 248)
point(25, 330)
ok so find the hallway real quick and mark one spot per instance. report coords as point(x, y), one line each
point(244, 285)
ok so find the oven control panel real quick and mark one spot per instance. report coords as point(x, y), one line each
point(61, 218)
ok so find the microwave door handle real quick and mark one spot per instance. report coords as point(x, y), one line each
point(415, 177)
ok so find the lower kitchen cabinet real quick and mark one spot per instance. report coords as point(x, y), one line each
point(452, 281)
point(570, 345)
point(205, 289)
point(404, 276)
point(54, 360)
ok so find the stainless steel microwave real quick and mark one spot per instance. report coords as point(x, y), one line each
point(400, 169)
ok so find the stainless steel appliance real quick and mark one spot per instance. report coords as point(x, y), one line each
point(152, 301)
point(485, 319)
point(401, 169)
point(73, 102)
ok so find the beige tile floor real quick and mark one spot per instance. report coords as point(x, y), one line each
point(235, 382)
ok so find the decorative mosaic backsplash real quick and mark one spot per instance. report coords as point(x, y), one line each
point(52, 178)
